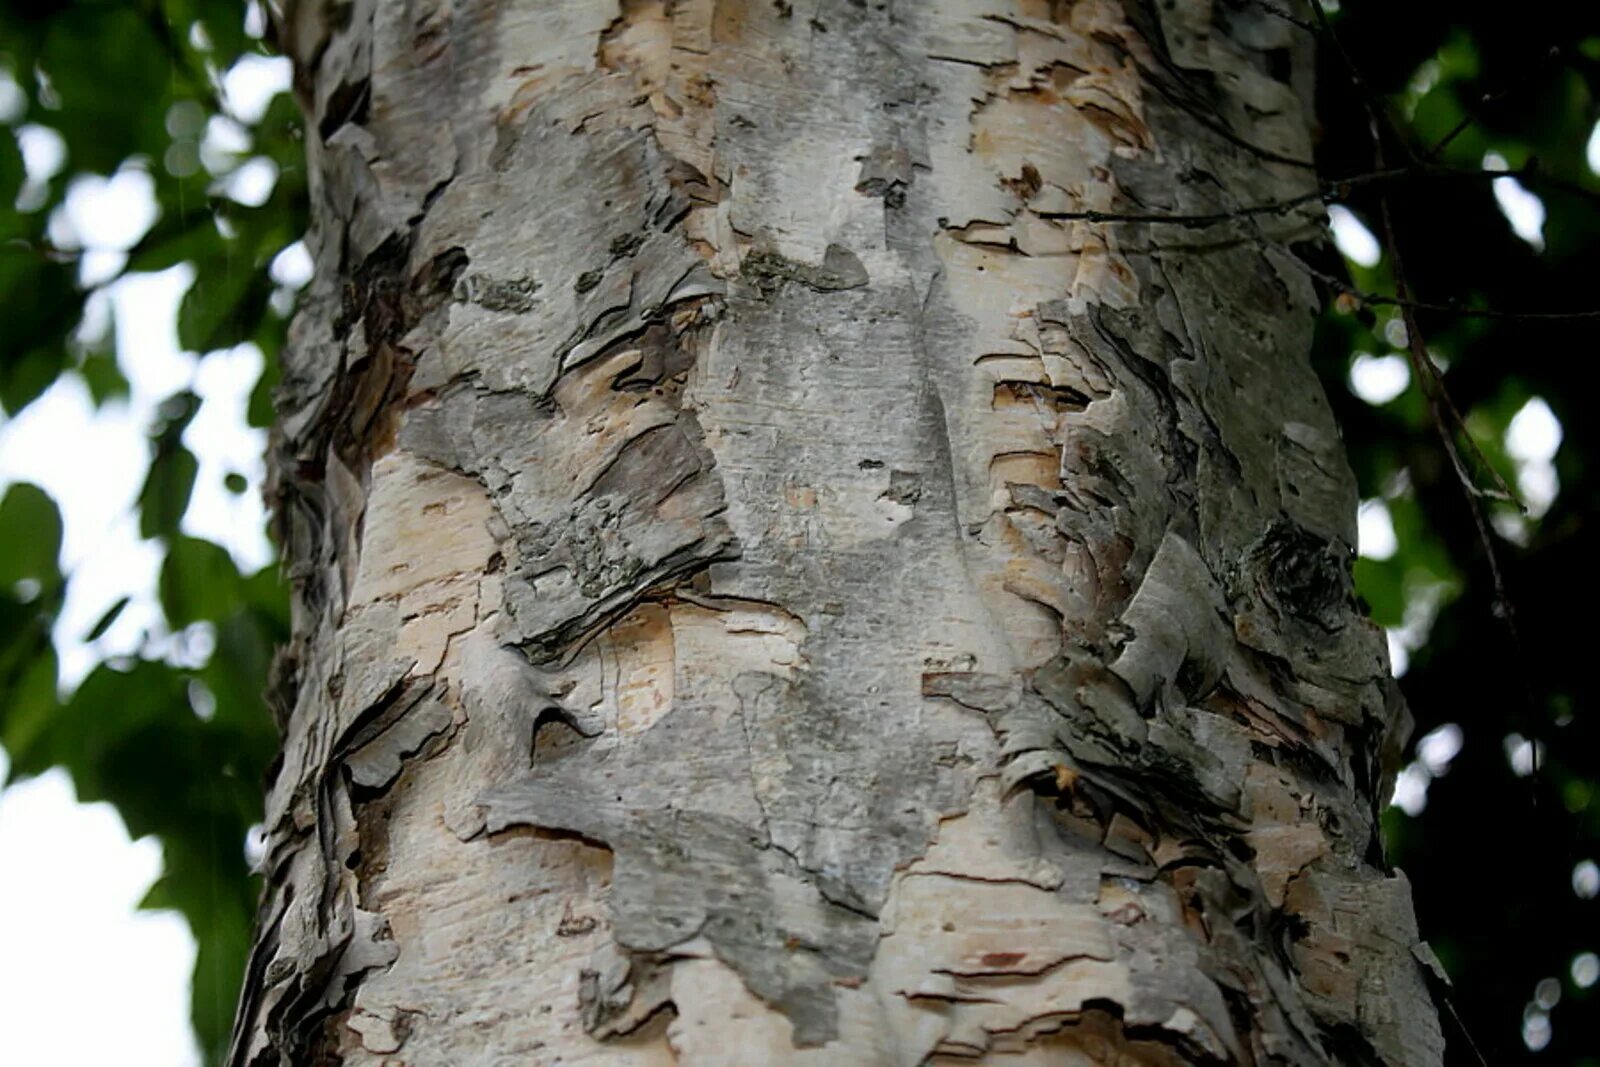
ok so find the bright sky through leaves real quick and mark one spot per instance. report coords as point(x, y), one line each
point(69, 932)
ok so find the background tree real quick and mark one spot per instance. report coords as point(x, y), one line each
point(1488, 83)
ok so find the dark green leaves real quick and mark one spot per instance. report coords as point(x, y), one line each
point(105, 65)
point(42, 306)
point(130, 735)
point(30, 594)
point(223, 305)
point(198, 582)
point(176, 738)
point(170, 481)
point(1522, 85)
point(166, 491)
point(30, 537)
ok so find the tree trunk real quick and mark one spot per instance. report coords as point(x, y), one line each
point(775, 584)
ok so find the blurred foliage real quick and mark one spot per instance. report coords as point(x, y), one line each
point(1492, 855)
point(181, 749)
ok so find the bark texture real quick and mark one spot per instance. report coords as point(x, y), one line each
point(773, 587)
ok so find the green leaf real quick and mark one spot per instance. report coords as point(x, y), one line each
point(166, 492)
point(221, 307)
point(223, 950)
point(108, 619)
point(86, 734)
point(42, 304)
point(206, 881)
point(198, 583)
point(103, 377)
point(26, 378)
point(30, 536)
point(170, 481)
point(29, 699)
point(175, 413)
point(237, 678)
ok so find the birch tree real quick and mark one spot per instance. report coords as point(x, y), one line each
point(797, 559)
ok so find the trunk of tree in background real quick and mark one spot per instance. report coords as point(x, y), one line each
point(772, 586)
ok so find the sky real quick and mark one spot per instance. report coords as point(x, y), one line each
point(84, 976)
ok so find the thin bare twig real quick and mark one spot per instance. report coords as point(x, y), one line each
point(1326, 192)
point(1487, 98)
point(1439, 404)
point(1466, 311)
point(1330, 192)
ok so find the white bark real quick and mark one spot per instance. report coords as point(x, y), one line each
point(770, 589)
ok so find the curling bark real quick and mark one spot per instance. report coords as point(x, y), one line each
point(772, 586)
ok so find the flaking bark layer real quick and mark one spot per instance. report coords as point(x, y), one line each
point(772, 586)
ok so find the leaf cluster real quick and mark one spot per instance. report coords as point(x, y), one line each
point(174, 732)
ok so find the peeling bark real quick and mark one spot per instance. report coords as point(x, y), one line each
point(770, 588)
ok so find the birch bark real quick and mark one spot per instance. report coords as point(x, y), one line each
point(772, 586)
